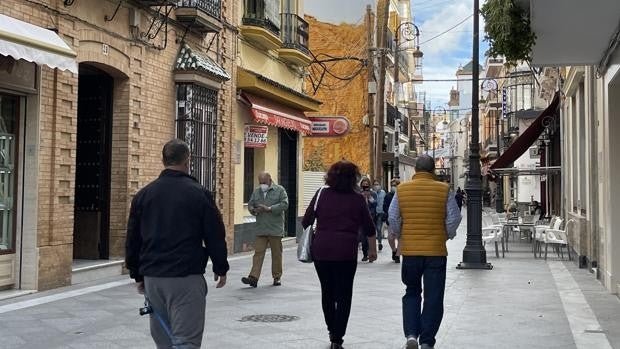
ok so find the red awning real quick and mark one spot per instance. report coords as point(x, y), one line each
point(271, 113)
point(527, 138)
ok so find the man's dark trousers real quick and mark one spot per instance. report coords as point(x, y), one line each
point(417, 322)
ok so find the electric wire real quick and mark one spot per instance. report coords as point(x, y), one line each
point(448, 30)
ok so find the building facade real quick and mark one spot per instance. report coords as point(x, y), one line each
point(82, 138)
point(270, 121)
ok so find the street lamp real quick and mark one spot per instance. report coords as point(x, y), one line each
point(410, 32)
point(491, 85)
point(474, 253)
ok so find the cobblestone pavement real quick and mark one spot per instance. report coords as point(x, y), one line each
point(521, 303)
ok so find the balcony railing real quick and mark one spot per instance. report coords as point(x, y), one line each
point(262, 13)
point(295, 32)
point(403, 63)
point(389, 44)
point(404, 125)
point(211, 7)
point(392, 114)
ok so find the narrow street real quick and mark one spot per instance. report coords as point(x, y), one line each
point(521, 303)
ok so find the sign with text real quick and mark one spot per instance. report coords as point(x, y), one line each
point(255, 136)
point(329, 126)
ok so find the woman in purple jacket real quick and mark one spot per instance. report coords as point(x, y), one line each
point(341, 213)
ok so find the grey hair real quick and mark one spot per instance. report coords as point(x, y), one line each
point(425, 163)
point(175, 152)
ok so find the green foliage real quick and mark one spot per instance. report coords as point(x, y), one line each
point(508, 30)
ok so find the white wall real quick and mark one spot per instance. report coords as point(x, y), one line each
point(611, 187)
point(528, 186)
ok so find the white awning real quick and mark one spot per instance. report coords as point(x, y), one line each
point(22, 40)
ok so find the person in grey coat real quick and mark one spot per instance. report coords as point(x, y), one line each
point(268, 203)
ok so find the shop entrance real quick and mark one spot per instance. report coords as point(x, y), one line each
point(92, 177)
point(288, 176)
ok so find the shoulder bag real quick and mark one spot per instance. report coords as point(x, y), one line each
point(304, 248)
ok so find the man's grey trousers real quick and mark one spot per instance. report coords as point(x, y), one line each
point(180, 302)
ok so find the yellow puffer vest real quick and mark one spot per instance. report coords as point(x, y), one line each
point(423, 209)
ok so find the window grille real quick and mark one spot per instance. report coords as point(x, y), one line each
point(196, 123)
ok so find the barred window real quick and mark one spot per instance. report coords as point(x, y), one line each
point(196, 124)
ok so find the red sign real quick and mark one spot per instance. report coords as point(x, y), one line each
point(256, 136)
point(329, 126)
point(272, 119)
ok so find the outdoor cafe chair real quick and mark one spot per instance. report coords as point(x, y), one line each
point(559, 239)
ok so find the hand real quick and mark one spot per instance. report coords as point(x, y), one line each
point(372, 256)
point(221, 280)
point(264, 208)
point(140, 287)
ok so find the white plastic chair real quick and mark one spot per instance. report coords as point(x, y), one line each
point(555, 223)
point(559, 239)
point(492, 233)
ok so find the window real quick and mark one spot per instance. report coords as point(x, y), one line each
point(9, 112)
point(248, 173)
point(197, 125)
point(583, 165)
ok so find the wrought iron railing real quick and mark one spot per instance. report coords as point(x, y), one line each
point(211, 7)
point(263, 13)
point(392, 114)
point(295, 32)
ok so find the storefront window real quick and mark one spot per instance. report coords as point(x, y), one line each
point(197, 125)
point(9, 111)
point(248, 173)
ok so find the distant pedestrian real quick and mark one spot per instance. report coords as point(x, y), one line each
point(381, 215)
point(371, 201)
point(268, 203)
point(392, 240)
point(459, 198)
point(341, 214)
point(424, 215)
point(174, 227)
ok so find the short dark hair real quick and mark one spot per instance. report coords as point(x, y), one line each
point(175, 152)
point(343, 176)
point(425, 163)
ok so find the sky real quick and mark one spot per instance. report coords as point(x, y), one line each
point(442, 55)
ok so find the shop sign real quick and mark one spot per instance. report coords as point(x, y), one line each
point(329, 126)
point(255, 136)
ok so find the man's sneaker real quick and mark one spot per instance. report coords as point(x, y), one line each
point(426, 346)
point(380, 246)
point(365, 259)
point(336, 346)
point(276, 282)
point(250, 280)
point(412, 343)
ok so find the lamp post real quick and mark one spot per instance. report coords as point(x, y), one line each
point(410, 32)
point(474, 253)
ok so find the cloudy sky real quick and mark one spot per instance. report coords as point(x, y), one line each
point(442, 55)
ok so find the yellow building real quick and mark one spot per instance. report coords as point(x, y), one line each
point(272, 50)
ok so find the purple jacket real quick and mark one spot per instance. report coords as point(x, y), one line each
point(340, 218)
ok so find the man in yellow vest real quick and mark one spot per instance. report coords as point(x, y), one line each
point(423, 215)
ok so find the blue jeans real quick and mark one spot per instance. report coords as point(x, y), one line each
point(378, 226)
point(417, 322)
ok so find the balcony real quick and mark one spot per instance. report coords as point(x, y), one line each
point(494, 67)
point(203, 16)
point(295, 36)
point(261, 23)
point(404, 65)
point(392, 114)
point(489, 148)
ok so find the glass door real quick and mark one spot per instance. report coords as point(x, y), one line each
point(9, 112)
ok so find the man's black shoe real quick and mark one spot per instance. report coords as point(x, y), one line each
point(380, 246)
point(276, 282)
point(336, 346)
point(365, 259)
point(395, 258)
point(250, 280)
